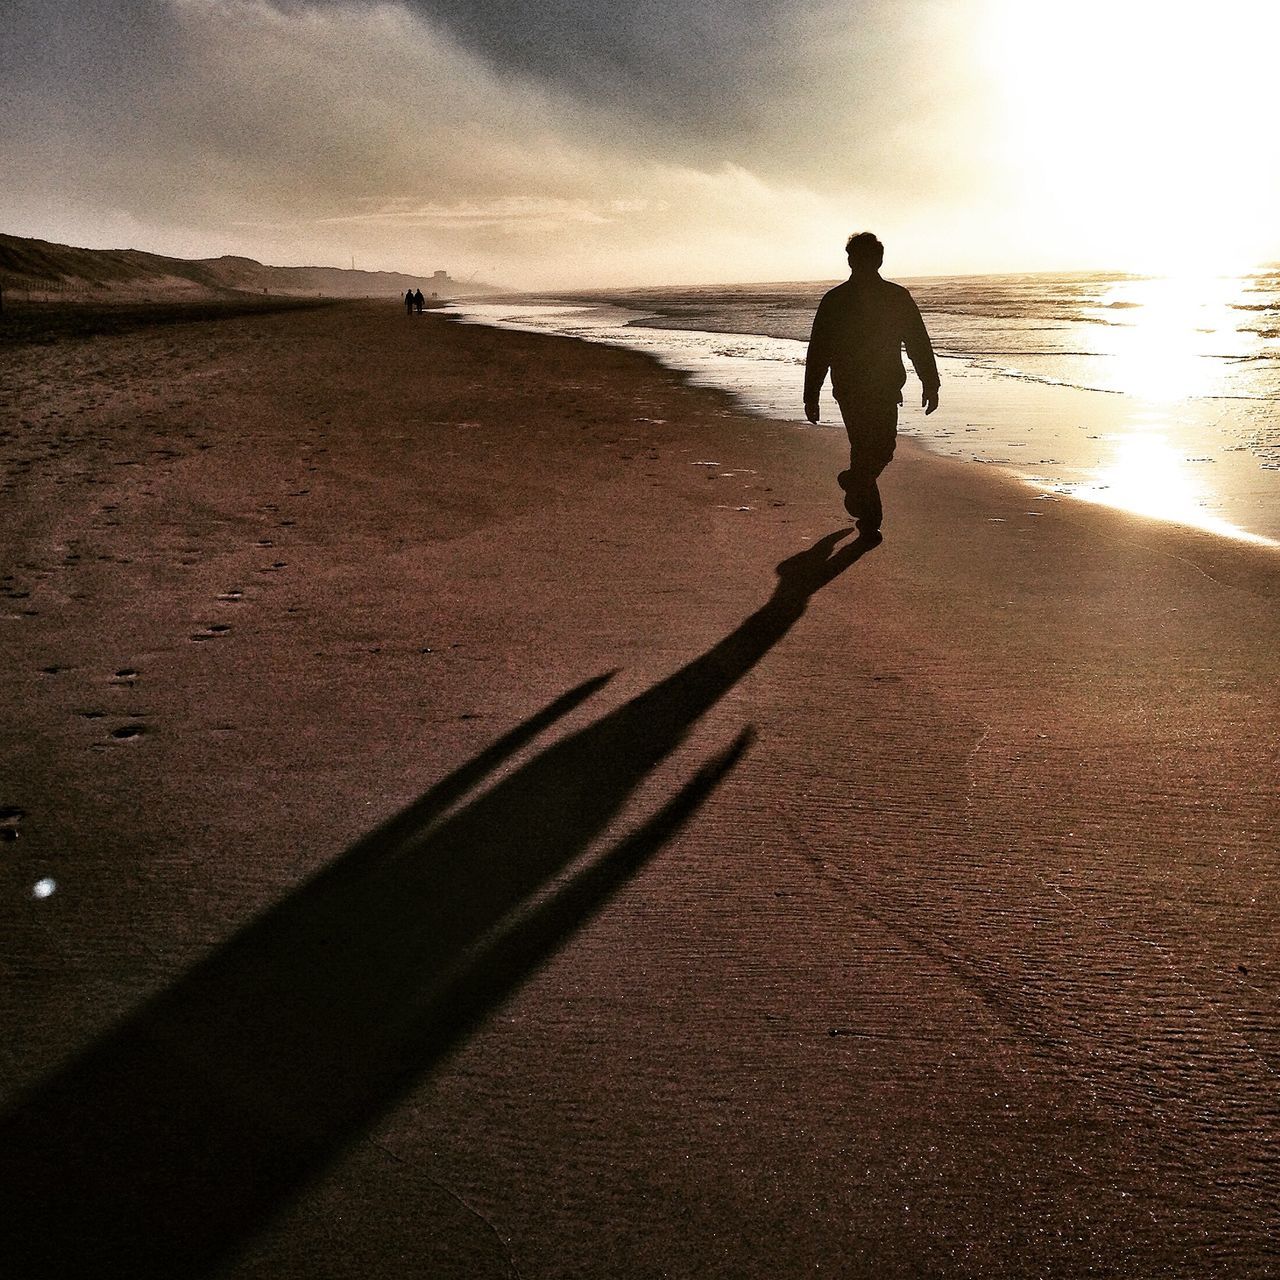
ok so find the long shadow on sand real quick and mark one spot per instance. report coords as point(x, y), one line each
point(165, 1145)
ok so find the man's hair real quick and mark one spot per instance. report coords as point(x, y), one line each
point(864, 250)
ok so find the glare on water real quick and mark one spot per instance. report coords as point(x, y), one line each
point(1169, 340)
point(1147, 472)
point(1173, 345)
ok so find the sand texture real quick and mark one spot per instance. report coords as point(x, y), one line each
point(470, 857)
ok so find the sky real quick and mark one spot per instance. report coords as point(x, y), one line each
point(589, 143)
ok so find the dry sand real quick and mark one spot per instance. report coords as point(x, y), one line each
point(471, 859)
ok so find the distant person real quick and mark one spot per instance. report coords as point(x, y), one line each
point(419, 301)
point(858, 335)
point(408, 302)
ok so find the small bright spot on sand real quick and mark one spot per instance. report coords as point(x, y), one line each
point(43, 888)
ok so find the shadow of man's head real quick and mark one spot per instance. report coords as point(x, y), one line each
point(808, 571)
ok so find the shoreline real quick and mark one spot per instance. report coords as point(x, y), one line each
point(513, 871)
point(1150, 461)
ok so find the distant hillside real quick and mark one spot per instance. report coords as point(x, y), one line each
point(40, 269)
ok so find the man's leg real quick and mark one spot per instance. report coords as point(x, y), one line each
point(873, 434)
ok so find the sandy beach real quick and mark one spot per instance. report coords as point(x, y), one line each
point(474, 808)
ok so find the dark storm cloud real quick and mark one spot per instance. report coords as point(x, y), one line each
point(805, 91)
point(69, 47)
point(779, 85)
point(672, 53)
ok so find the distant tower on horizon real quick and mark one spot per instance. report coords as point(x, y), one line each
point(439, 277)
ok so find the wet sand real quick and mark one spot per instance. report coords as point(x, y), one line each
point(469, 857)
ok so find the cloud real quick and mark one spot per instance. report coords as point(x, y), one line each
point(566, 142)
point(297, 132)
point(506, 213)
point(795, 88)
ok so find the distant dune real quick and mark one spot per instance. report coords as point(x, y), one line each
point(38, 269)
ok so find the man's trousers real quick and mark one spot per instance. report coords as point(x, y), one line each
point(873, 433)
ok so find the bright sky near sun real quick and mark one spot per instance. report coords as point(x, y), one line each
point(570, 142)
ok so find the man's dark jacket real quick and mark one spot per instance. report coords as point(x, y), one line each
point(858, 334)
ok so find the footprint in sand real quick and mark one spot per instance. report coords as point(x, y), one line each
point(230, 597)
point(273, 567)
point(128, 732)
point(10, 817)
point(125, 676)
point(212, 631)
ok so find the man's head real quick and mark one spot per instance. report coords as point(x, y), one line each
point(866, 253)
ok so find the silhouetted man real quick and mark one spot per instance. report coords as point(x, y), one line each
point(418, 301)
point(408, 302)
point(858, 334)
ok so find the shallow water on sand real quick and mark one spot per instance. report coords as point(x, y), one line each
point(1156, 395)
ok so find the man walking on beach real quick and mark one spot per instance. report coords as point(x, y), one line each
point(858, 335)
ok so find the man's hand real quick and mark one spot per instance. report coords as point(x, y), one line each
point(812, 412)
point(930, 401)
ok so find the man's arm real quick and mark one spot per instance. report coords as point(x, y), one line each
point(920, 352)
point(817, 361)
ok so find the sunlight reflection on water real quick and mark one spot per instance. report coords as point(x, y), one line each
point(1175, 337)
point(1147, 473)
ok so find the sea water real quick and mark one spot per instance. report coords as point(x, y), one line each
point(1159, 395)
